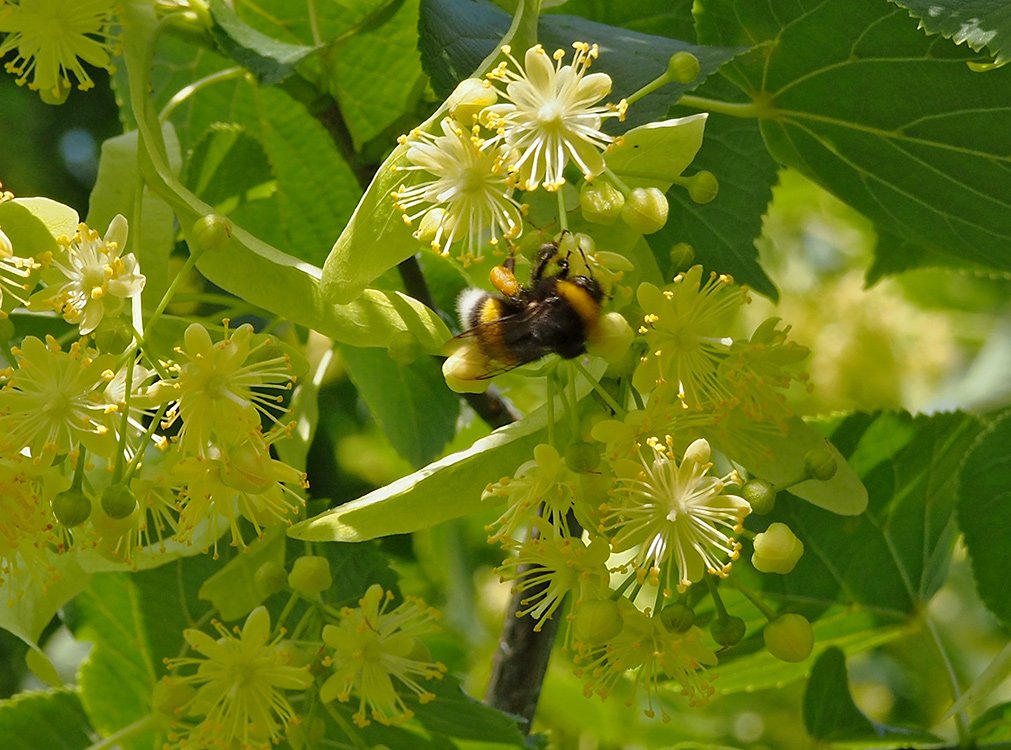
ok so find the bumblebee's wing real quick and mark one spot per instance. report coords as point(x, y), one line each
point(502, 342)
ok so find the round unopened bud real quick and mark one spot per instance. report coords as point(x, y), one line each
point(596, 621)
point(601, 202)
point(728, 630)
point(677, 617)
point(118, 501)
point(703, 187)
point(310, 575)
point(611, 338)
point(819, 463)
point(682, 257)
point(789, 637)
point(645, 210)
point(269, 578)
point(761, 496)
point(71, 507)
point(210, 232)
point(582, 457)
point(469, 97)
point(684, 67)
point(777, 549)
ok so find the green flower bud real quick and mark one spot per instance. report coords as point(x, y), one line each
point(118, 501)
point(269, 578)
point(310, 575)
point(819, 463)
point(71, 507)
point(684, 67)
point(682, 257)
point(703, 187)
point(761, 496)
point(777, 549)
point(789, 637)
point(645, 210)
point(582, 457)
point(728, 630)
point(210, 232)
point(596, 621)
point(677, 617)
point(601, 202)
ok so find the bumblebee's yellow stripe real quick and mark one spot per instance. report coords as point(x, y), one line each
point(585, 306)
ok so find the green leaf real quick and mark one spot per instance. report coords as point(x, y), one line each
point(984, 514)
point(925, 155)
point(110, 618)
point(829, 711)
point(656, 154)
point(985, 685)
point(893, 557)
point(232, 589)
point(115, 192)
point(411, 403)
point(448, 488)
point(780, 460)
point(723, 231)
point(315, 187)
point(831, 715)
point(980, 24)
point(455, 714)
point(34, 224)
point(377, 73)
point(28, 607)
point(269, 59)
point(52, 719)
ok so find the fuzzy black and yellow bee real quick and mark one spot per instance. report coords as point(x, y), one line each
point(554, 314)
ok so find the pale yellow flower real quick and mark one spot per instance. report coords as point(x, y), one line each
point(53, 39)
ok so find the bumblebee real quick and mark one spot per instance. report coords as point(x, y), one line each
point(554, 314)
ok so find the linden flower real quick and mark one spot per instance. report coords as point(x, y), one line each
point(220, 387)
point(242, 481)
point(26, 532)
point(241, 683)
point(53, 401)
point(644, 644)
point(677, 515)
point(685, 326)
point(544, 480)
point(551, 115)
point(469, 197)
point(52, 38)
point(94, 278)
point(373, 646)
point(551, 568)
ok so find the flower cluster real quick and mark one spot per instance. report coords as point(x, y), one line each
point(634, 512)
point(518, 130)
point(241, 688)
point(106, 444)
